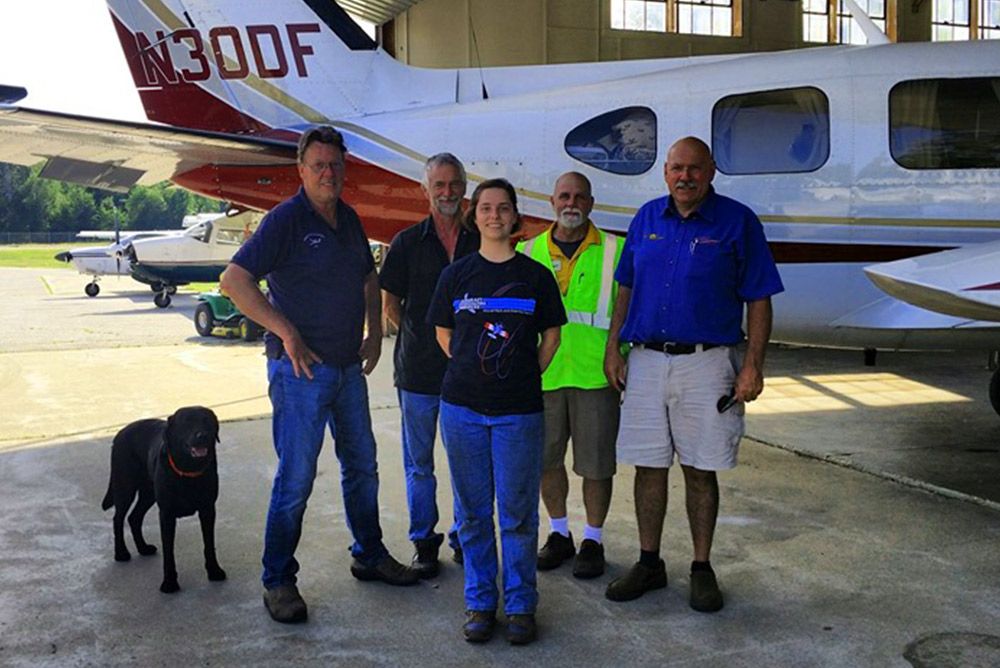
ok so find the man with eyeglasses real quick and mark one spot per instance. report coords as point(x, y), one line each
point(322, 291)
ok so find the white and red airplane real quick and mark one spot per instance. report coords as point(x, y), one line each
point(856, 158)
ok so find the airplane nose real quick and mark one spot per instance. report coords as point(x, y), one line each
point(65, 256)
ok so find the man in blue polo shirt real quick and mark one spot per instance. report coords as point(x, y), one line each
point(690, 263)
point(322, 288)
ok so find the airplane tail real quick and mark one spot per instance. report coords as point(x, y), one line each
point(260, 68)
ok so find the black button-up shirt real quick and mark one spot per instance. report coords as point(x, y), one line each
point(410, 271)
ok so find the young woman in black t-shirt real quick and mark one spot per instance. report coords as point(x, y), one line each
point(497, 316)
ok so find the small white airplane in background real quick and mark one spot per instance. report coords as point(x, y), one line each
point(98, 261)
point(852, 156)
point(198, 254)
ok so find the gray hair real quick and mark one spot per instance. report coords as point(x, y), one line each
point(440, 159)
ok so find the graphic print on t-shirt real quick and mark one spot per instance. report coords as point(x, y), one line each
point(496, 342)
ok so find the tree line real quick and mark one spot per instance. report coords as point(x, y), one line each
point(29, 203)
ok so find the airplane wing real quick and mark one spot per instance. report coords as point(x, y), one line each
point(115, 155)
point(962, 282)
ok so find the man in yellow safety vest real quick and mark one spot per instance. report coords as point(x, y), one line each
point(579, 404)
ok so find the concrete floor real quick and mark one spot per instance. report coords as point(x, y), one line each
point(822, 565)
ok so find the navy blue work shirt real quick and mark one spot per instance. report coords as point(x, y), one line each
point(690, 277)
point(315, 275)
point(410, 271)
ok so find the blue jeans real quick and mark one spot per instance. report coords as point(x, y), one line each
point(419, 416)
point(338, 397)
point(496, 456)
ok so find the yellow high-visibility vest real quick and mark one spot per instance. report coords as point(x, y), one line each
point(589, 301)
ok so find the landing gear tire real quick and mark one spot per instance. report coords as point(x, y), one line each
point(995, 391)
point(92, 289)
point(249, 330)
point(204, 322)
point(162, 299)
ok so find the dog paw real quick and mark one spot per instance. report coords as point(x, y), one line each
point(123, 556)
point(170, 587)
point(147, 550)
point(216, 574)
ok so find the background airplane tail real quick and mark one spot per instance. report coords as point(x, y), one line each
point(262, 67)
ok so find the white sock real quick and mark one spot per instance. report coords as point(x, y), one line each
point(592, 533)
point(560, 525)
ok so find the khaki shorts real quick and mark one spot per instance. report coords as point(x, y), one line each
point(669, 406)
point(590, 418)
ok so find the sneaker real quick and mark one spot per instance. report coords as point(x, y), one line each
point(637, 582)
point(557, 549)
point(425, 560)
point(521, 629)
point(589, 562)
point(705, 594)
point(285, 604)
point(387, 570)
point(479, 624)
point(457, 555)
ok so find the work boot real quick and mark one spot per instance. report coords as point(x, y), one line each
point(285, 604)
point(557, 549)
point(705, 594)
point(425, 560)
point(637, 582)
point(479, 625)
point(387, 570)
point(521, 629)
point(589, 562)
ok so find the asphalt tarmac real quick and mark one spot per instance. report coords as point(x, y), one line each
point(860, 528)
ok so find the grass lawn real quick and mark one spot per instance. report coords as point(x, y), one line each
point(42, 256)
point(36, 255)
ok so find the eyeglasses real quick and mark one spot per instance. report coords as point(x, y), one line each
point(320, 167)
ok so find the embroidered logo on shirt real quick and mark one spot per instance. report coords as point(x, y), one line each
point(313, 239)
point(702, 241)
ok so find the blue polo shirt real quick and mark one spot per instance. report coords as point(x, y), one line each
point(690, 277)
point(315, 275)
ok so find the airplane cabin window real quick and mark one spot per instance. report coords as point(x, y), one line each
point(622, 141)
point(945, 123)
point(771, 132)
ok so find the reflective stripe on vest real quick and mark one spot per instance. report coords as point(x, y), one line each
point(601, 318)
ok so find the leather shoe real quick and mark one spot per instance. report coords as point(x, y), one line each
point(387, 570)
point(479, 625)
point(557, 549)
point(589, 562)
point(521, 629)
point(457, 556)
point(637, 582)
point(705, 594)
point(285, 604)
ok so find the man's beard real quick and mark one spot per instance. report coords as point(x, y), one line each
point(571, 218)
point(448, 207)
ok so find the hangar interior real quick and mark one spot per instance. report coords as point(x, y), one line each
point(469, 33)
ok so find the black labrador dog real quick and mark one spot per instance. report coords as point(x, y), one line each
point(170, 463)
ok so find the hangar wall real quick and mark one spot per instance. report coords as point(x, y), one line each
point(436, 33)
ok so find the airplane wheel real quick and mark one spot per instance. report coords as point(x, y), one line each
point(204, 321)
point(171, 289)
point(92, 289)
point(162, 300)
point(995, 391)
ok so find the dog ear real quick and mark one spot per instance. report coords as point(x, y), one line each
point(168, 435)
